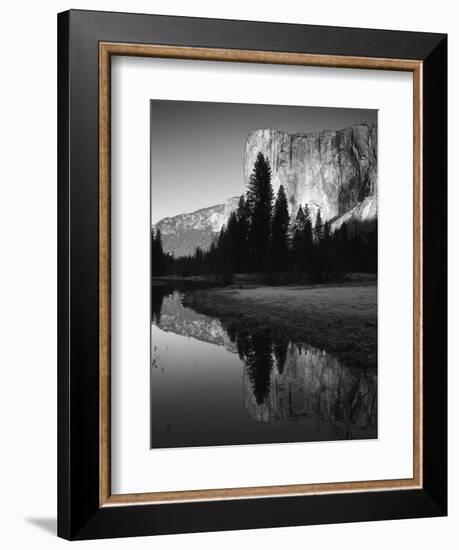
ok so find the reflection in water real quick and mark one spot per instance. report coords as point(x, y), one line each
point(157, 296)
point(219, 387)
point(257, 354)
point(280, 353)
point(314, 384)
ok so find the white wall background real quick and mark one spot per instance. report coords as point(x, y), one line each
point(28, 270)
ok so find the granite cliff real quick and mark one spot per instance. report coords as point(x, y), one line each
point(331, 170)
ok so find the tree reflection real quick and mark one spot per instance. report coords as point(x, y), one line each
point(157, 296)
point(280, 353)
point(257, 353)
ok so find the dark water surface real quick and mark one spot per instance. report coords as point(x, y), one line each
point(209, 387)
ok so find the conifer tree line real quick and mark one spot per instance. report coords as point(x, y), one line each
point(158, 257)
point(260, 237)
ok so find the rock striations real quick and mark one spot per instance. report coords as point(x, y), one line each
point(331, 170)
point(334, 170)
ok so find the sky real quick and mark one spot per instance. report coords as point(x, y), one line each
point(197, 148)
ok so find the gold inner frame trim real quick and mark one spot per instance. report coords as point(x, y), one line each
point(106, 51)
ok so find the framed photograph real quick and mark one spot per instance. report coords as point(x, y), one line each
point(252, 274)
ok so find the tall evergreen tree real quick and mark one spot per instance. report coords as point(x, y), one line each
point(231, 244)
point(153, 254)
point(316, 266)
point(302, 240)
point(242, 214)
point(157, 254)
point(326, 249)
point(297, 238)
point(221, 255)
point(279, 232)
point(371, 264)
point(344, 249)
point(259, 201)
point(318, 228)
point(307, 242)
point(199, 261)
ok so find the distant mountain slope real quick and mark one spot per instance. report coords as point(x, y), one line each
point(183, 233)
point(334, 171)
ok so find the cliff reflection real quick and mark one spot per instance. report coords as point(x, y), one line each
point(282, 381)
point(309, 383)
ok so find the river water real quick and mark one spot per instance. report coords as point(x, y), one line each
point(209, 387)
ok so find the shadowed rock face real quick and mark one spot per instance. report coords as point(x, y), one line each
point(306, 382)
point(331, 170)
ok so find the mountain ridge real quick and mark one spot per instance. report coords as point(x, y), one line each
point(183, 233)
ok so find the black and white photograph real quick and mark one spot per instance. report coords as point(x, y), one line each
point(229, 262)
point(263, 274)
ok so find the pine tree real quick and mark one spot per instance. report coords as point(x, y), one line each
point(307, 242)
point(232, 236)
point(153, 254)
point(344, 249)
point(259, 201)
point(242, 215)
point(372, 250)
point(316, 266)
point(302, 240)
point(221, 254)
point(326, 234)
point(318, 228)
point(326, 249)
point(297, 238)
point(279, 232)
point(157, 254)
point(198, 261)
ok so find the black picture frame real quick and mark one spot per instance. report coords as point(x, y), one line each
point(80, 515)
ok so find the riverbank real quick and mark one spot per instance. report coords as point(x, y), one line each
point(341, 319)
point(259, 279)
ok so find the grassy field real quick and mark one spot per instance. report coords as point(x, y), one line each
point(341, 319)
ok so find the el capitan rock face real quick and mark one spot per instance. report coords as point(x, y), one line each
point(334, 170)
point(331, 170)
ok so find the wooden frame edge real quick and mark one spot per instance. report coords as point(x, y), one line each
point(104, 276)
point(417, 276)
point(257, 56)
point(106, 50)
